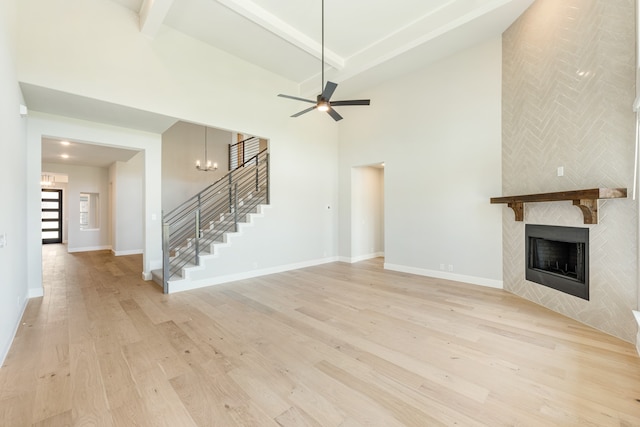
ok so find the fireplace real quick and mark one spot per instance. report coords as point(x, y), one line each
point(558, 257)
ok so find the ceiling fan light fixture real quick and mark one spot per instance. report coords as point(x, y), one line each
point(323, 101)
point(323, 106)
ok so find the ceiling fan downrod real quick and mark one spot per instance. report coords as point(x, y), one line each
point(323, 100)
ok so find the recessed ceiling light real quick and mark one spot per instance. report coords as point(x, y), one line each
point(65, 143)
point(64, 156)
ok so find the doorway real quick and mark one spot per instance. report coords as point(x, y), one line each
point(51, 218)
point(367, 212)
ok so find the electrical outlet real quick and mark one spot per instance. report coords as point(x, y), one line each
point(560, 170)
point(450, 267)
point(3, 240)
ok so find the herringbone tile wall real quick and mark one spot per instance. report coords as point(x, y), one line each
point(568, 87)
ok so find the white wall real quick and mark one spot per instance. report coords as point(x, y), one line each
point(367, 213)
point(182, 145)
point(40, 125)
point(439, 133)
point(127, 191)
point(13, 262)
point(100, 53)
point(85, 179)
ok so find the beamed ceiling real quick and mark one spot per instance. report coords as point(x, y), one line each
point(366, 42)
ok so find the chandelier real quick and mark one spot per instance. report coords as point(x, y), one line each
point(208, 165)
point(47, 180)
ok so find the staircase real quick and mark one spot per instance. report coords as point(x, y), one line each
point(191, 232)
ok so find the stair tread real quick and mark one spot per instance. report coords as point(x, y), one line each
point(212, 236)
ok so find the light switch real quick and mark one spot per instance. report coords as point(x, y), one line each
point(3, 240)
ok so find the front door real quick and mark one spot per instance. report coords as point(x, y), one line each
point(51, 216)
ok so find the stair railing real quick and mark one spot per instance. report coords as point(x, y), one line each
point(245, 149)
point(189, 230)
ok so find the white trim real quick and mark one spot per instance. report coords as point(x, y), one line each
point(186, 285)
point(35, 293)
point(129, 252)
point(5, 351)
point(152, 14)
point(89, 249)
point(481, 281)
point(359, 258)
point(155, 265)
point(251, 11)
point(636, 314)
point(147, 276)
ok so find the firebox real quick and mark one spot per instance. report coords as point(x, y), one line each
point(558, 257)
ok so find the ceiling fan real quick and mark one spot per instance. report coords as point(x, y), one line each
point(323, 101)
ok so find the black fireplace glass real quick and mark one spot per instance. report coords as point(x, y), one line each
point(558, 257)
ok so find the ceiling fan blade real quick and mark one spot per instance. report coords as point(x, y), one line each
point(296, 98)
point(304, 111)
point(333, 113)
point(351, 102)
point(329, 88)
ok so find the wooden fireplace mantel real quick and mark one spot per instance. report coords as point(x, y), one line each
point(586, 200)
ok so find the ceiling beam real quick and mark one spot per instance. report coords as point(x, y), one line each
point(275, 25)
point(443, 30)
point(152, 15)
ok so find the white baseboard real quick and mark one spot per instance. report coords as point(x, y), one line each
point(481, 281)
point(359, 258)
point(146, 275)
point(35, 293)
point(89, 249)
point(129, 252)
point(185, 285)
point(637, 316)
point(5, 350)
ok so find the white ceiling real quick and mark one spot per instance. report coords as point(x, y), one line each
point(366, 42)
point(361, 36)
point(79, 107)
point(82, 153)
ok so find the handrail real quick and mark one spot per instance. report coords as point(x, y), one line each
point(216, 182)
point(240, 150)
point(244, 140)
point(189, 229)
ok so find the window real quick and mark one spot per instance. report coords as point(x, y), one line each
point(89, 208)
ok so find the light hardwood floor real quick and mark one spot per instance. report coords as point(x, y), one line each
point(332, 345)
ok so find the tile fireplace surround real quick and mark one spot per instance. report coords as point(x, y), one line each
point(568, 86)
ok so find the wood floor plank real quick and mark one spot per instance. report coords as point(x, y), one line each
point(88, 395)
point(119, 386)
point(17, 410)
point(332, 345)
point(313, 403)
point(209, 400)
point(63, 419)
